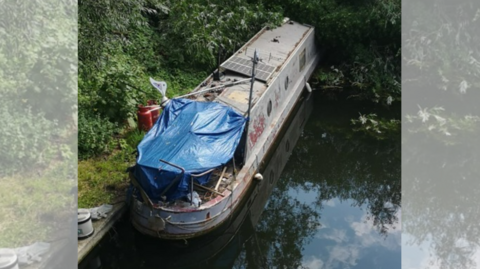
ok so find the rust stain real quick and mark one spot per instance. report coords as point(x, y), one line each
point(239, 96)
point(258, 127)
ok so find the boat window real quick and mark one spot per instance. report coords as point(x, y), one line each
point(302, 60)
point(286, 83)
point(269, 108)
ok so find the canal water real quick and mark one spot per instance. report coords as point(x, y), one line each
point(330, 198)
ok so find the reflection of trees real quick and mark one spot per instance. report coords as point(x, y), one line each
point(277, 242)
point(440, 154)
point(441, 202)
point(341, 165)
point(288, 225)
point(356, 168)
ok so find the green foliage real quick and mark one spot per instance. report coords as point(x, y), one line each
point(362, 40)
point(26, 141)
point(38, 93)
point(113, 92)
point(94, 134)
point(180, 81)
point(123, 43)
point(123, 22)
point(118, 51)
point(196, 29)
point(133, 138)
point(102, 180)
point(374, 126)
point(38, 58)
point(442, 60)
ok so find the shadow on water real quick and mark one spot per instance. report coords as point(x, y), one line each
point(336, 205)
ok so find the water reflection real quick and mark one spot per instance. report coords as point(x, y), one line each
point(443, 216)
point(440, 151)
point(336, 205)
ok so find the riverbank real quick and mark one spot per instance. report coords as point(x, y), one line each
point(101, 227)
point(31, 205)
point(102, 179)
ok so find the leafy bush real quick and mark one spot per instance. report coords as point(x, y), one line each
point(196, 29)
point(124, 42)
point(26, 141)
point(116, 59)
point(363, 40)
point(113, 91)
point(38, 59)
point(94, 134)
point(38, 86)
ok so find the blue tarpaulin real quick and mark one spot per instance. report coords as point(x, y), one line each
point(196, 136)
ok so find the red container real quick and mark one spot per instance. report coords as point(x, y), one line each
point(155, 114)
point(144, 118)
point(148, 115)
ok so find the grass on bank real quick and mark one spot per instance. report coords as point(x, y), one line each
point(103, 179)
point(36, 206)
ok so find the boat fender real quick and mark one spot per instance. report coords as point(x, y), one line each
point(258, 177)
point(309, 89)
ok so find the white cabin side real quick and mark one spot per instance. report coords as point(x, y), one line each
point(282, 92)
point(288, 56)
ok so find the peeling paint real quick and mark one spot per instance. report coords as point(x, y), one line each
point(258, 127)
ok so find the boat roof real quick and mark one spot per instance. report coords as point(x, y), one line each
point(273, 46)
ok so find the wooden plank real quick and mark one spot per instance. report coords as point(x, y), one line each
point(208, 189)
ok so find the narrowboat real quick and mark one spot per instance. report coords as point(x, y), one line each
point(221, 247)
point(196, 165)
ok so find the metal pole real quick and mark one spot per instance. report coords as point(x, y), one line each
point(255, 61)
point(216, 75)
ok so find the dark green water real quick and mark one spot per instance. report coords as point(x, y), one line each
point(335, 205)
